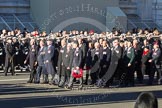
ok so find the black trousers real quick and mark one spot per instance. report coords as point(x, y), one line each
point(146, 68)
point(103, 70)
point(40, 70)
point(155, 68)
point(138, 70)
point(32, 75)
point(129, 76)
point(9, 63)
point(94, 76)
point(61, 71)
point(67, 75)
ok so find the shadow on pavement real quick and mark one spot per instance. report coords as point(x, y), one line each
point(56, 100)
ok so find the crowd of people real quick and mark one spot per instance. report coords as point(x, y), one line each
point(63, 57)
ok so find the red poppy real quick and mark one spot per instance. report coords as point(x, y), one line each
point(77, 73)
point(145, 52)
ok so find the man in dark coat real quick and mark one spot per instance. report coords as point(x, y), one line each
point(82, 47)
point(138, 57)
point(96, 60)
point(48, 59)
point(2, 54)
point(76, 64)
point(105, 59)
point(88, 61)
point(145, 58)
point(115, 57)
point(40, 62)
point(61, 67)
point(24, 50)
point(10, 53)
point(128, 59)
point(155, 64)
point(17, 56)
point(67, 65)
point(32, 57)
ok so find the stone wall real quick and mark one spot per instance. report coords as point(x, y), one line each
point(58, 15)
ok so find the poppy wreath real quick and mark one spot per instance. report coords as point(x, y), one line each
point(77, 73)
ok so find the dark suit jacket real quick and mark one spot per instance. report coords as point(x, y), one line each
point(105, 56)
point(116, 54)
point(89, 58)
point(145, 58)
point(156, 57)
point(32, 56)
point(130, 56)
point(77, 58)
point(62, 53)
point(9, 50)
point(49, 53)
point(10, 53)
point(84, 50)
point(40, 56)
point(67, 59)
point(96, 60)
point(138, 54)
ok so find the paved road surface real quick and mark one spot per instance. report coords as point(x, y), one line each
point(15, 93)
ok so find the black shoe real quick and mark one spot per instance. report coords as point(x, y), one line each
point(61, 85)
point(149, 84)
point(140, 81)
point(29, 81)
point(85, 83)
point(45, 82)
point(13, 74)
point(51, 83)
point(121, 86)
point(36, 82)
point(92, 83)
point(5, 74)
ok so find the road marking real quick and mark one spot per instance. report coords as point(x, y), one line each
point(13, 80)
